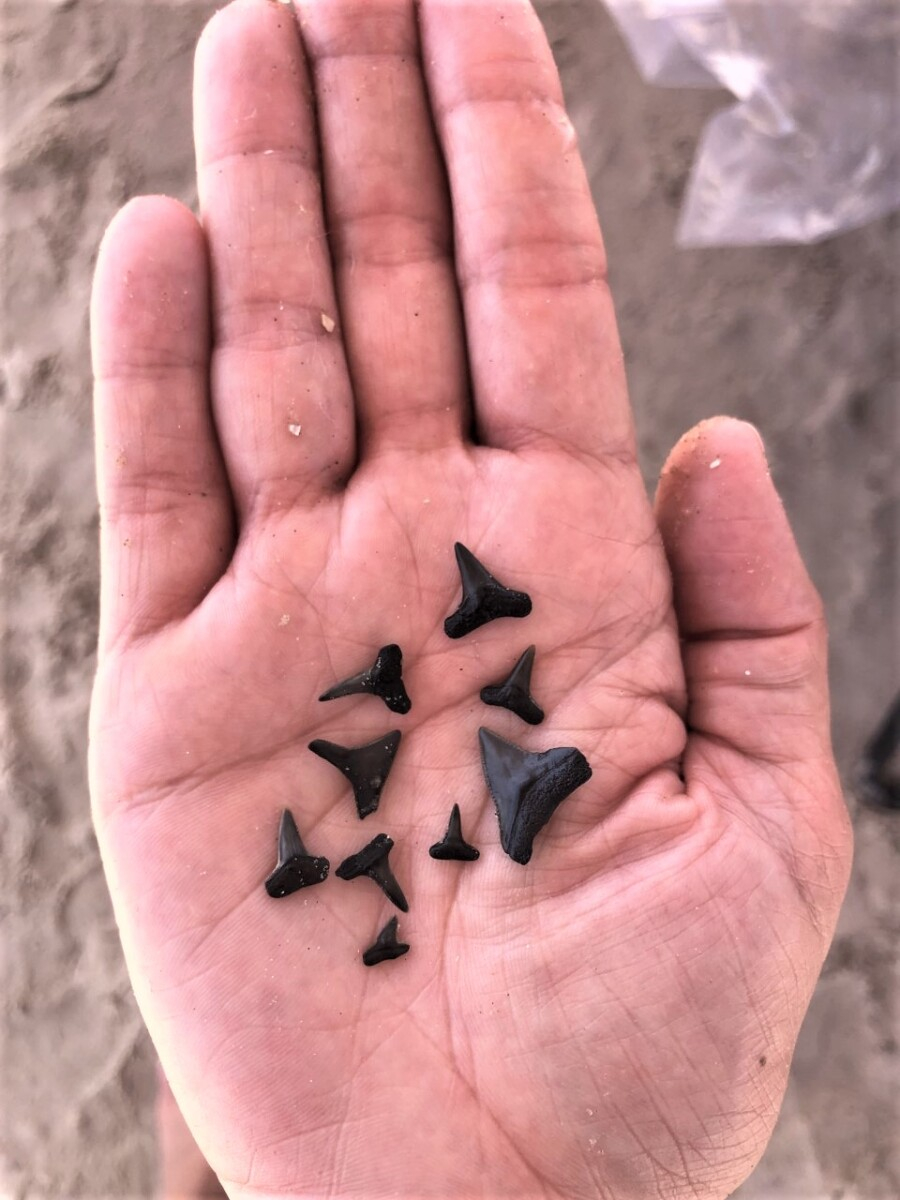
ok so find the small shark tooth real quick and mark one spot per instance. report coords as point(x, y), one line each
point(295, 869)
point(527, 787)
point(367, 767)
point(384, 678)
point(372, 860)
point(484, 598)
point(453, 844)
point(514, 692)
point(385, 946)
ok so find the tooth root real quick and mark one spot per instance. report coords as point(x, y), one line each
point(367, 767)
point(295, 868)
point(387, 679)
point(514, 692)
point(372, 860)
point(385, 946)
point(453, 845)
point(383, 679)
point(484, 598)
point(528, 787)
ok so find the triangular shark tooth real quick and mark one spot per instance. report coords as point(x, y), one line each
point(384, 679)
point(514, 692)
point(453, 844)
point(367, 767)
point(527, 787)
point(484, 598)
point(372, 860)
point(295, 868)
point(385, 946)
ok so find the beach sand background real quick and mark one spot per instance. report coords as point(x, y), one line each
point(803, 341)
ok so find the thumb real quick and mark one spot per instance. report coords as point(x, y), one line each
point(755, 656)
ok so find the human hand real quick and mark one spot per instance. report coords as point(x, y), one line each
point(616, 1018)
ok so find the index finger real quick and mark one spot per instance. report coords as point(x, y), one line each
point(543, 347)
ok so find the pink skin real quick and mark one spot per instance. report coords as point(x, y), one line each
point(617, 1018)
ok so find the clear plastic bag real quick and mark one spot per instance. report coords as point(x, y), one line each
point(812, 147)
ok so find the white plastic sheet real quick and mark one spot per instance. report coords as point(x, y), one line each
point(812, 146)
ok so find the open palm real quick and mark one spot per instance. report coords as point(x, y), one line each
point(301, 406)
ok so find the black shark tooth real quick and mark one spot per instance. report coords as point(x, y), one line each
point(372, 860)
point(453, 844)
point(367, 767)
point(384, 678)
point(385, 946)
point(483, 598)
point(527, 787)
point(514, 692)
point(296, 869)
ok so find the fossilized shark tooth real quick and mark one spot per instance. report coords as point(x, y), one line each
point(384, 678)
point(385, 946)
point(514, 692)
point(296, 868)
point(367, 767)
point(453, 844)
point(372, 860)
point(527, 787)
point(484, 598)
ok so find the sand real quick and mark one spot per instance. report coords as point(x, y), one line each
point(96, 107)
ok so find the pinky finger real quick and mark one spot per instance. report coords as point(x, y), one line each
point(165, 505)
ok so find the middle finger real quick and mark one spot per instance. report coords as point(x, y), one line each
point(389, 220)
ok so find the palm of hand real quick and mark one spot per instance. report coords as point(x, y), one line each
point(618, 1016)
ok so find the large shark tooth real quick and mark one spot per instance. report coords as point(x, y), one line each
point(384, 678)
point(514, 692)
point(367, 767)
point(484, 598)
point(527, 787)
point(453, 844)
point(385, 945)
point(372, 860)
point(296, 868)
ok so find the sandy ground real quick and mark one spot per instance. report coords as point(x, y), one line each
point(96, 99)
